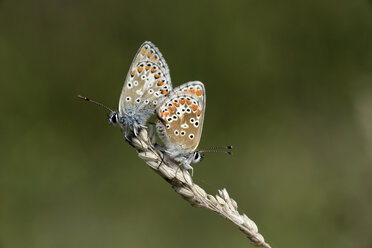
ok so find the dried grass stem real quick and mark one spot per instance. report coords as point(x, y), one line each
point(182, 183)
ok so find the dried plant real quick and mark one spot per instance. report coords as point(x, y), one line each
point(182, 183)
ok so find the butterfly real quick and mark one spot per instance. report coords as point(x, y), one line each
point(147, 83)
point(180, 112)
point(179, 124)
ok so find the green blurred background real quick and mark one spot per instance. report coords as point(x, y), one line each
point(289, 84)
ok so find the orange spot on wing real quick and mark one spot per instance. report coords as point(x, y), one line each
point(192, 91)
point(153, 70)
point(171, 108)
point(160, 83)
point(149, 54)
point(166, 113)
point(176, 104)
point(156, 76)
point(161, 113)
point(147, 68)
point(163, 91)
point(133, 72)
point(194, 107)
point(143, 51)
point(182, 102)
point(199, 92)
point(188, 102)
point(154, 59)
point(139, 69)
point(199, 112)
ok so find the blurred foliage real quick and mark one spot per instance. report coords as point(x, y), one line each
point(289, 84)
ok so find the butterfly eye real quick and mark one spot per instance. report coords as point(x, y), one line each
point(196, 155)
point(114, 118)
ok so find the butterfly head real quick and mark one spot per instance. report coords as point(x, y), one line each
point(197, 157)
point(113, 118)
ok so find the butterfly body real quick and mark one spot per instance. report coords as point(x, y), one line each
point(180, 122)
point(147, 83)
point(131, 120)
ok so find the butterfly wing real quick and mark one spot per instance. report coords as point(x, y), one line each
point(149, 52)
point(181, 117)
point(147, 81)
point(195, 88)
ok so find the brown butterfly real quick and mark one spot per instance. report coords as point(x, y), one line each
point(147, 83)
point(180, 122)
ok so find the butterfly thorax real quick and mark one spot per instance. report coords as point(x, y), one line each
point(183, 156)
point(179, 154)
point(133, 119)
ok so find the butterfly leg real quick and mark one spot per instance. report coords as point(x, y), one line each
point(189, 167)
point(135, 131)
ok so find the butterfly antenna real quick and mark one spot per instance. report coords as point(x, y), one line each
point(218, 147)
point(98, 103)
point(225, 152)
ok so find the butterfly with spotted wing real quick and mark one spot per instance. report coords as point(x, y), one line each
point(180, 122)
point(147, 83)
